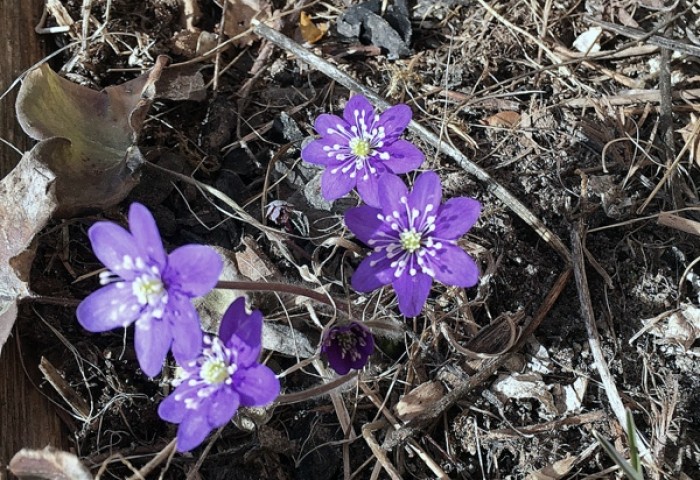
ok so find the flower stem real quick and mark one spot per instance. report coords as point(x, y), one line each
point(281, 287)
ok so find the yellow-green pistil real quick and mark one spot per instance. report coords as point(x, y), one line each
point(214, 371)
point(147, 289)
point(360, 147)
point(410, 240)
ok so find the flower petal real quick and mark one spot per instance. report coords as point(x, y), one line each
point(222, 406)
point(242, 329)
point(403, 156)
point(334, 355)
point(391, 190)
point(364, 109)
point(192, 431)
point(111, 243)
point(314, 152)
point(412, 292)
point(363, 222)
point(172, 410)
point(427, 190)
point(110, 307)
point(453, 266)
point(329, 125)
point(152, 339)
point(368, 184)
point(374, 272)
point(185, 328)
point(257, 386)
point(335, 183)
point(456, 217)
point(145, 231)
point(193, 270)
point(395, 120)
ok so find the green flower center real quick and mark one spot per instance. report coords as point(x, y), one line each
point(214, 371)
point(360, 147)
point(148, 289)
point(410, 240)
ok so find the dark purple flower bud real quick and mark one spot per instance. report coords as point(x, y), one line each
point(347, 346)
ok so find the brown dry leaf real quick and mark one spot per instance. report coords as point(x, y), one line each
point(48, 464)
point(681, 328)
point(27, 201)
point(96, 164)
point(418, 400)
point(691, 138)
point(505, 119)
point(555, 471)
point(310, 32)
point(239, 13)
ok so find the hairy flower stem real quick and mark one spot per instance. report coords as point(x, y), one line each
point(280, 287)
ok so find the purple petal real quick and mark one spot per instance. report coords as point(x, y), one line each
point(152, 339)
point(427, 190)
point(363, 222)
point(185, 328)
point(145, 231)
point(314, 153)
point(453, 266)
point(172, 410)
point(192, 431)
point(110, 307)
point(395, 120)
point(247, 329)
point(370, 277)
point(257, 386)
point(412, 292)
point(335, 183)
point(222, 406)
point(364, 109)
point(193, 270)
point(327, 125)
point(368, 184)
point(456, 217)
point(340, 364)
point(111, 243)
point(403, 156)
point(391, 190)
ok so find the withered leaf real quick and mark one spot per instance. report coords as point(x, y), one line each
point(505, 119)
point(96, 166)
point(27, 201)
point(239, 13)
point(311, 32)
point(48, 464)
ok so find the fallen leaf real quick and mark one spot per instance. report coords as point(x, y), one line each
point(681, 328)
point(505, 119)
point(523, 386)
point(310, 32)
point(692, 138)
point(27, 201)
point(418, 400)
point(48, 464)
point(96, 165)
point(239, 13)
point(587, 42)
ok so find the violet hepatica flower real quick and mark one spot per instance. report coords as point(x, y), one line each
point(360, 147)
point(414, 240)
point(225, 376)
point(145, 285)
point(347, 346)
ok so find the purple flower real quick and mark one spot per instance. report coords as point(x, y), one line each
point(347, 346)
point(145, 285)
point(414, 240)
point(225, 376)
point(358, 148)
